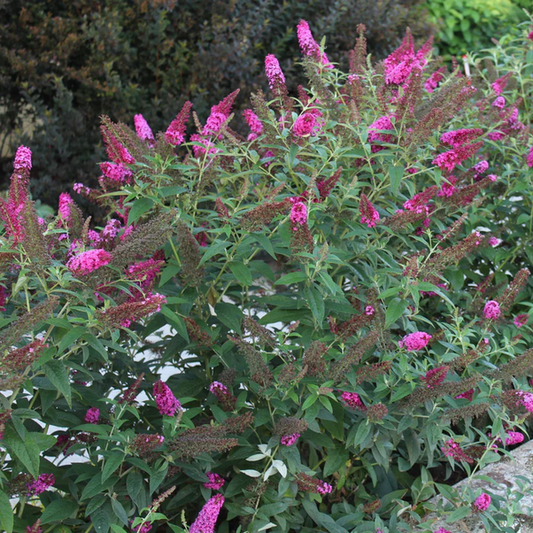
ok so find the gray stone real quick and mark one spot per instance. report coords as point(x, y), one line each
point(503, 473)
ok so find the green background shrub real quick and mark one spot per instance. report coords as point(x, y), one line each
point(469, 25)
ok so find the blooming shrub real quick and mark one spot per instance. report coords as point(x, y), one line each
point(287, 331)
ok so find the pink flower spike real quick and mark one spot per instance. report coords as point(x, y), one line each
point(207, 518)
point(529, 159)
point(92, 416)
point(215, 482)
point(514, 437)
point(22, 159)
point(65, 201)
point(492, 310)
point(460, 137)
point(415, 341)
point(482, 502)
point(166, 402)
point(253, 121)
point(447, 189)
point(273, 71)
point(499, 102)
point(499, 85)
point(435, 377)
point(494, 241)
point(175, 133)
point(369, 214)
point(89, 261)
point(289, 440)
point(433, 81)
point(324, 488)
point(306, 125)
point(41, 484)
point(308, 45)
point(353, 401)
point(468, 395)
point(382, 124)
point(299, 213)
point(143, 130)
point(141, 528)
point(521, 320)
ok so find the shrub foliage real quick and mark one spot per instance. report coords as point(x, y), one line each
point(310, 328)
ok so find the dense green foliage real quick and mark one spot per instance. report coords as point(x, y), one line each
point(470, 25)
point(63, 64)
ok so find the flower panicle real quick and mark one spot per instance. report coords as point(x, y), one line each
point(263, 214)
point(131, 393)
point(307, 483)
point(313, 358)
point(196, 333)
point(144, 444)
point(513, 290)
point(263, 335)
point(223, 395)
point(259, 370)
point(136, 309)
point(175, 133)
point(354, 353)
point(372, 371)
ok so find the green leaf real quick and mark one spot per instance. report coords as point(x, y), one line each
point(169, 272)
point(402, 392)
point(133, 483)
point(56, 372)
point(309, 401)
point(230, 315)
point(242, 273)
point(157, 477)
point(293, 277)
point(118, 529)
point(330, 284)
point(171, 191)
point(26, 451)
point(216, 248)
point(111, 464)
point(96, 502)
point(70, 338)
point(177, 322)
point(395, 174)
point(322, 519)
point(102, 517)
point(95, 486)
point(119, 511)
point(58, 510)
point(6, 513)
point(458, 514)
point(266, 244)
point(395, 311)
point(315, 301)
point(413, 445)
point(336, 459)
point(139, 207)
point(390, 292)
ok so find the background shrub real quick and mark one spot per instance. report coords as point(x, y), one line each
point(320, 291)
point(63, 64)
point(469, 25)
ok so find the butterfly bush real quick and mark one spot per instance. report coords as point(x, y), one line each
point(305, 327)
